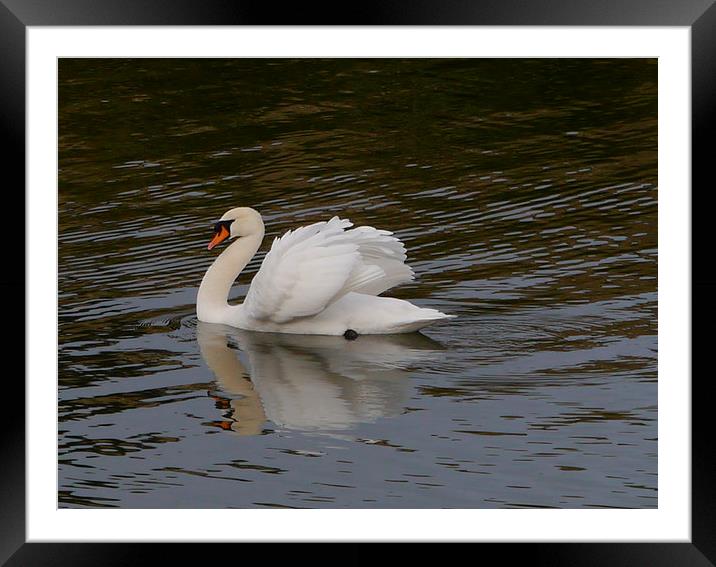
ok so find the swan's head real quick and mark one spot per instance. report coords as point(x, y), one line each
point(241, 221)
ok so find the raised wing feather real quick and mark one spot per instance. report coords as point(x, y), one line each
point(309, 268)
point(382, 262)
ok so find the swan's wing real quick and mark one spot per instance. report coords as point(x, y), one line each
point(311, 267)
point(382, 261)
point(302, 272)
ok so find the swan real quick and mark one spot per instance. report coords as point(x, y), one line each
point(320, 279)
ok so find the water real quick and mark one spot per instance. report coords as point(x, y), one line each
point(525, 192)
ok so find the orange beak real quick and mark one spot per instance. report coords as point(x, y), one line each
point(219, 237)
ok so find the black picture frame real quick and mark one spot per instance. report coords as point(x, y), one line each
point(698, 15)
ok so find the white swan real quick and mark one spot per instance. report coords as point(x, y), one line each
point(319, 279)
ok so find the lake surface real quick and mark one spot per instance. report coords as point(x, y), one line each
point(526, 194)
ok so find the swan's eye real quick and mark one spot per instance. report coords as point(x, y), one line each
point(222, 224)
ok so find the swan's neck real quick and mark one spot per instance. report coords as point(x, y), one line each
point(212, 301)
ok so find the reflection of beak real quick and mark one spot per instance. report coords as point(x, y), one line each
point(219, 237)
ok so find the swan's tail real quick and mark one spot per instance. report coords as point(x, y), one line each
point(422, 319)
point(376, 315)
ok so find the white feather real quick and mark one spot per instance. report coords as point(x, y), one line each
point(309, 268)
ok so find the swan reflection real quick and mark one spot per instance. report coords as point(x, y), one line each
point(311, 382)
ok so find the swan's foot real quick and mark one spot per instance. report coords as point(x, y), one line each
point(350, 335)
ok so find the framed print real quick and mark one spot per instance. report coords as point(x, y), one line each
point(462, 247)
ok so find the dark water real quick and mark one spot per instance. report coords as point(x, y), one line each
point(525, 191)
